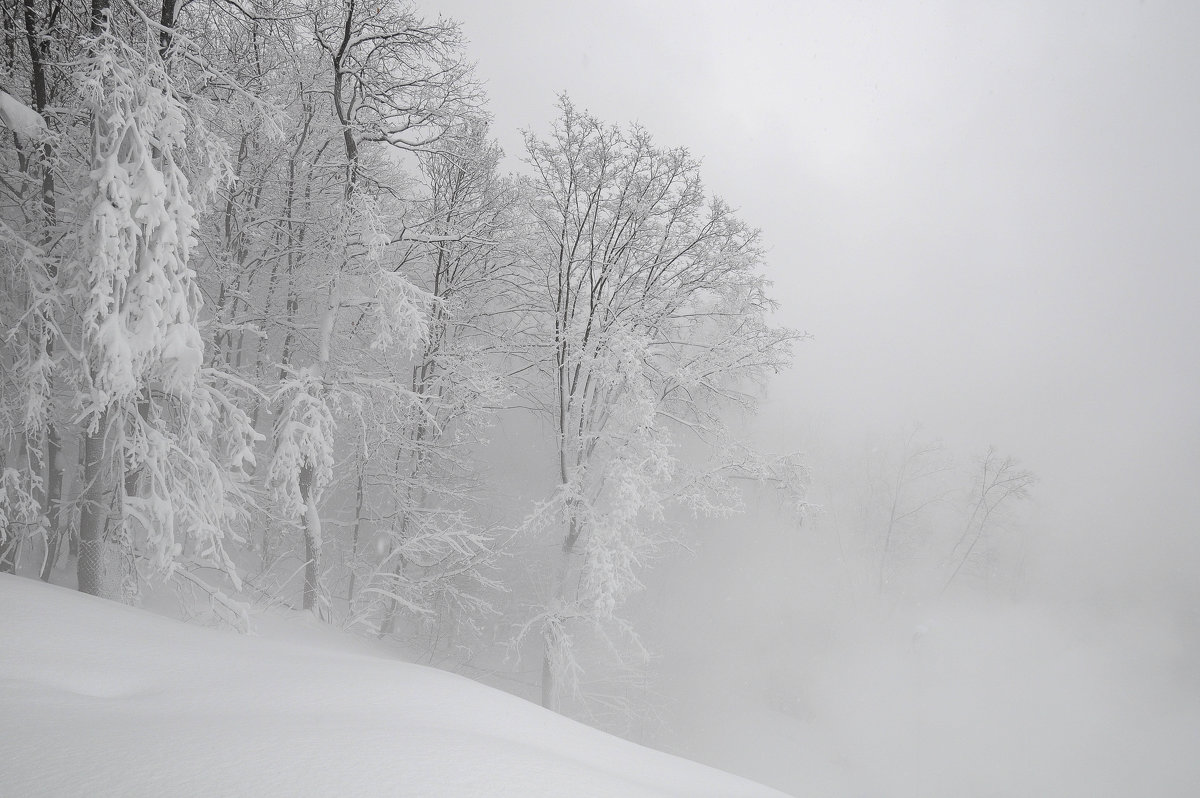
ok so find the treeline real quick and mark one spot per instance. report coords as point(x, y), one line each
point(264, 288)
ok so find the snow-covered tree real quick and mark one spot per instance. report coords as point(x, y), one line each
point(344, 266)
point(278, 233)
point(30, 251)
point(164, 448)
point(458, 253)
point(654, 321)
point(393, 80)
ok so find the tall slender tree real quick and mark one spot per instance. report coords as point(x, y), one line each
point(654, 320)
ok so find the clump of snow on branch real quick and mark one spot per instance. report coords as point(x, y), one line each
point(403, 312)
point(192, 491)
point(19, 507)
point(304, 445)
point(139, 231)
point(26, 382)
point(20, 118)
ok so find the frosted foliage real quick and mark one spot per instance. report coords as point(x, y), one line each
point(18, 502)
point(792, 476)
point(178, 439)
point(304, 439)
point(211, 166)
point(618, 498)
point(192, 481)
point(633, 475)
point(25, 381)
point(655, 323)
point(402, 313)
point(139, 231)
point(373, 224)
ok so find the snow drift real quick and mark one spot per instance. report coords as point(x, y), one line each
point(103, 699)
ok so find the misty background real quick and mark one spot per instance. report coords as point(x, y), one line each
point(371, 375)
point(984, 215)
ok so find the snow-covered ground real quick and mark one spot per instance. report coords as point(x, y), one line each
point(101, 699)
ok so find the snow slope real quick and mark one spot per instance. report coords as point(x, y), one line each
point(101, 699)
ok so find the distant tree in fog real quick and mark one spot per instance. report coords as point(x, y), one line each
point(911, 491)
point(907, 518)
point(999, 482)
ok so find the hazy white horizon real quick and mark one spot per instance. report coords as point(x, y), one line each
point(984, 215)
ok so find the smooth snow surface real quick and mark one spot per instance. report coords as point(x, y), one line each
point(100, 699)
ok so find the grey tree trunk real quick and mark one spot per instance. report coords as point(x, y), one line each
point(549, 688)
point(38, 42)
point(54, 485)
point(101, 560)
point(312, 539)
point(550, 679)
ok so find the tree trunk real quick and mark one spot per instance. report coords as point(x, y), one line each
point(99, 14)
point(167, 21)
point(359, 507)
point(393, 607)
point(550, 637)
point(100, 566)
point(38, 42)
point(80, 486)
point(54, 483)
point(312, 539)
point(549, 688)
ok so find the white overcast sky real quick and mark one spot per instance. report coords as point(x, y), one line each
point(986, 214)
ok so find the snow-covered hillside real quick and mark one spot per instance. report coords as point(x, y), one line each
point(102, 699)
